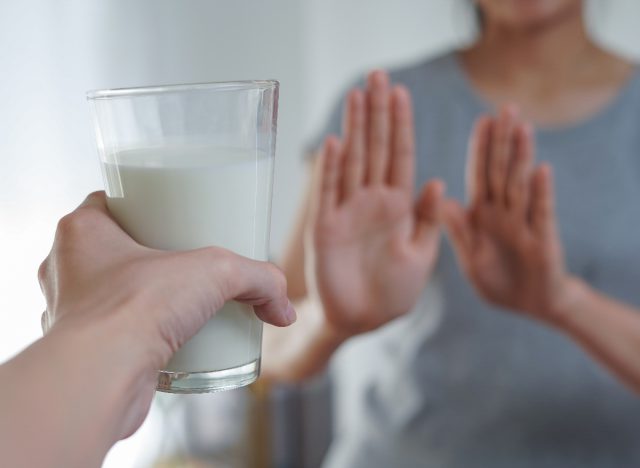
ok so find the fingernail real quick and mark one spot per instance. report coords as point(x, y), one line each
point(290, 313)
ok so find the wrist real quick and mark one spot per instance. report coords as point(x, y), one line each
point(118, 369)
point(333, 336)
point(572, 294)
point(115, 337)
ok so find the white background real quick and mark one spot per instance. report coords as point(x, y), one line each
point(51, 52)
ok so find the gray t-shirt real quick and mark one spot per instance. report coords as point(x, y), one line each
point(482, 387)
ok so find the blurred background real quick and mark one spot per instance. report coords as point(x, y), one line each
point(52, 52)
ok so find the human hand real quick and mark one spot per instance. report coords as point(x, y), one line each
point(373, 245)
point(506, 240)
point(145, 301)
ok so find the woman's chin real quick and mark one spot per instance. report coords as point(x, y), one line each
point(527, 14)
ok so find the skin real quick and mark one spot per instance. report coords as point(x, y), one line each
point(371, 242)
point(116, 312)
point(528, 14)
point(507, 243)
point(557, 75)
point(507, 240)
point(538, 53)
point(373, 245)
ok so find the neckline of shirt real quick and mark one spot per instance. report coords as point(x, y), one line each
point(580, 130)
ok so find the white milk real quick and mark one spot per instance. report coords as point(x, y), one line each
point(188, 197)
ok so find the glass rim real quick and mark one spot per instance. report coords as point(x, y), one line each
point(172, 88)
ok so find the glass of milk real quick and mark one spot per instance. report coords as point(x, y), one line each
point(190, 166)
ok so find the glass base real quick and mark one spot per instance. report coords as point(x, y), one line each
point(208, 382)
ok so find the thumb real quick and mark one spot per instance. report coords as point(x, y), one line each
point(263, 286)
point(456, 220)
point(428, 212)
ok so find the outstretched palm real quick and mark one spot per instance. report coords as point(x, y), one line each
point(506, 240)
point(373, 246)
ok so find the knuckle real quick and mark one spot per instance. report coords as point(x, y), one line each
point(97, 195)
point(43, 271)
point(44, 278)
point(65, 224)
point(221, 258)
point(76, 223)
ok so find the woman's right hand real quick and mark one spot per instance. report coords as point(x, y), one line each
point(372, 245)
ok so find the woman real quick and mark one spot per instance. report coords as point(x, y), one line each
point(463, 384)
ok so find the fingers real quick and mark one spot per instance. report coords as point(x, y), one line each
point(478, 162)
point(459, 228)
point(276, 313)
point(542, 210)
point(378, 127)
point(329, 184)
point(354, 143)
point(429, 212)
point(379, 142)
point(402, 164)
point(263, 286)
point(501, 149)
point(501, 154)
point(517, 183)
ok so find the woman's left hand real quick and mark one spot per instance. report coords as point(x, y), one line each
point(506, 240)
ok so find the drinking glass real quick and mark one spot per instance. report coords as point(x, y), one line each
point(190, 166)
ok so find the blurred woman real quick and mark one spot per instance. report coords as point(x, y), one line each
point(458, 383)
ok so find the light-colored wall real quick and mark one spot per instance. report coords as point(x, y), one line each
point(52, 52)
point(345, 39)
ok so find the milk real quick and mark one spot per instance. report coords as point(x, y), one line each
point(178, 198)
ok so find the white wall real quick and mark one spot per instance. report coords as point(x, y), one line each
point(51, 52)
point(345, 39)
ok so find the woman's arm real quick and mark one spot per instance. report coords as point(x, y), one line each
point(609, 330)
point(507, 244)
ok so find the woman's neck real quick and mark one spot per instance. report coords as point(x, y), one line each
point(554, 70)
point(553, 47)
